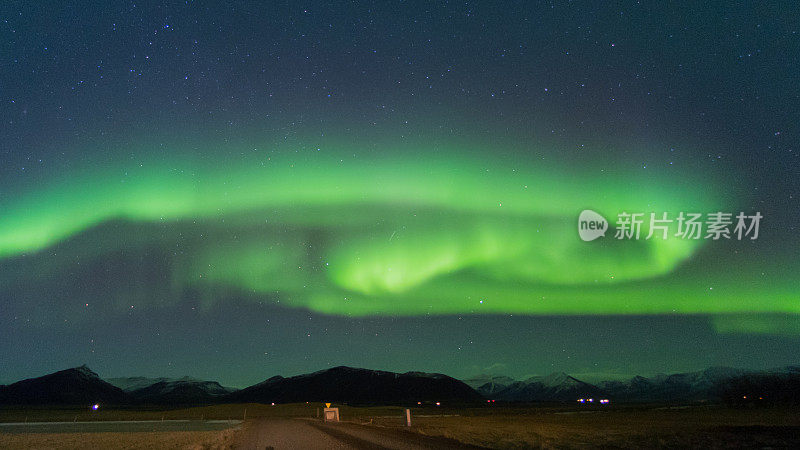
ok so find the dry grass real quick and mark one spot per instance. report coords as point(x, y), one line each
point(500, 427)
point(622, 428)
point(194, 440)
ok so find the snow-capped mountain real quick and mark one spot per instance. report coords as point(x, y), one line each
point(554, 387)
point(489, 385)
point(129, 384)
point(714, 384)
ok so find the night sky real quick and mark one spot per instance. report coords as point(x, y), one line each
point(242, 190)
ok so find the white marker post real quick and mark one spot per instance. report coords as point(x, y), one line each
point(408, 417)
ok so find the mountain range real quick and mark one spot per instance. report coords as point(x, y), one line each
point(558, 387)
point(714, 384)
point(184, 390)
point(82, 386)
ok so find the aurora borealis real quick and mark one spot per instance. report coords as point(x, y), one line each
point(391, 234)
point(276, 189)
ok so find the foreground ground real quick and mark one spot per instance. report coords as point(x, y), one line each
point(118, 441)
point(698, 427)
point(297, 426)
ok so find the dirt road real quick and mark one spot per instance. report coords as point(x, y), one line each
point(311, 434)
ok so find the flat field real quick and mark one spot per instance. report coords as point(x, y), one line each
point(617, 426)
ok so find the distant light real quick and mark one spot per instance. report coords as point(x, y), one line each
point(95, 407)
point(273, 403)
point(591, 400)
point(438, 404)
point(419, 403)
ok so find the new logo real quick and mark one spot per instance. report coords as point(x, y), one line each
point(591, 225)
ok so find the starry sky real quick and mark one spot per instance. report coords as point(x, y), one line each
point(234, 191)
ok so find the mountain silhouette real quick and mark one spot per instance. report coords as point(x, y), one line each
point(76, 386)
point(359, 386)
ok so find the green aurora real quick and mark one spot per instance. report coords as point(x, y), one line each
point(357, 236)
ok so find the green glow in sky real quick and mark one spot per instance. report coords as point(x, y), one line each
point(400, 235)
